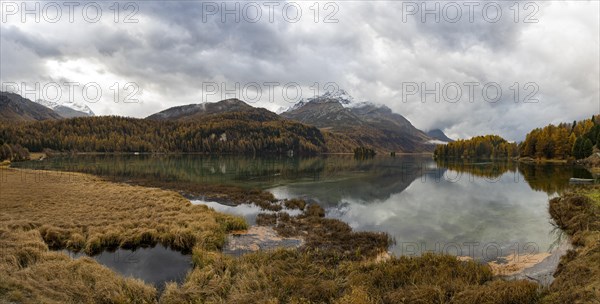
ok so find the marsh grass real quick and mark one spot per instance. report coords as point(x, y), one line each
point(577, 279)
point(225, 194)
point(328, 238)
point(291, 276)
point(30, 273)
point(43, 211)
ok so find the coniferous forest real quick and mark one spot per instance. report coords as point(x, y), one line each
point(224, 133)
point(240, 133)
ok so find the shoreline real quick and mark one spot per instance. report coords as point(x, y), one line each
point(577, 279)
point(312, 262)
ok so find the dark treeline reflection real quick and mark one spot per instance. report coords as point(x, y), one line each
point(330, 177)
point(260, 172)
point(487, 169)
point(550, 178)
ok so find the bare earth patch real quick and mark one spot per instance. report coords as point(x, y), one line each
point(258, 238)
point(514, 264)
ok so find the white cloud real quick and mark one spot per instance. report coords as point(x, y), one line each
point(171, 52)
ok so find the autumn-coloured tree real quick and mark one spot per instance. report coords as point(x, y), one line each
point(230, 133)
point(479, 147)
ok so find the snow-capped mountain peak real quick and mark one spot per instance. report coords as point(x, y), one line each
point(80, 107)
point(67, 109)
point(341, 96)
point(47, 104)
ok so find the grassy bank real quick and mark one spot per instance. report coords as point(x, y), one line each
point(42, 210)
point(577, 279)
point(289, 276)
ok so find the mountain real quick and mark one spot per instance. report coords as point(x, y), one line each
point(203, 110)
point(67, 109)
point(365, 123)
point(237, 114)
point(438, 134)
point(14, 108)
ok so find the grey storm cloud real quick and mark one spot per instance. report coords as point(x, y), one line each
point(175, 47)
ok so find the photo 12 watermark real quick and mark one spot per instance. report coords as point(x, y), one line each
point(469, 11)
point(453, 92)
point(69, 11)
point(89, 92)
point(269, 91)
point(269, 11)
point(491, 251)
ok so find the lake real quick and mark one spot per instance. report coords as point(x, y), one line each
point(484, 210)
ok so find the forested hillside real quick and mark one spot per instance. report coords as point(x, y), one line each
point(220, 133)
point(563, 141)
point(479, 147)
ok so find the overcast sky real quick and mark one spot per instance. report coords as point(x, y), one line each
point(184, 52)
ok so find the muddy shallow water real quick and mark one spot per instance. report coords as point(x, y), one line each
point(258, 238)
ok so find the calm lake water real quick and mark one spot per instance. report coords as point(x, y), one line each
point(481, 209)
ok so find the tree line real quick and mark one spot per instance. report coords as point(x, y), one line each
point(478, 147)
point(563, 141)
point(230, 133)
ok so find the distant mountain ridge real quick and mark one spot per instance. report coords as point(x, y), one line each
point(203, 110)
point(15, 108)
point(439, 135)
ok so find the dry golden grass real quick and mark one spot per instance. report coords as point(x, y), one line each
point(41, 209)
point(30, 273)
point(577, 279)
point(289, 276)
point(82, 212)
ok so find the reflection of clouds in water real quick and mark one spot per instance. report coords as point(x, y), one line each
point(155, 265)
point(454, 208)
point(247, 211)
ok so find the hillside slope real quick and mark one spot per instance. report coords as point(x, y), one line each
point(14, 108)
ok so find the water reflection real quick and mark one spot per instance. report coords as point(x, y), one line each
point(426, 205)
point(249, 212)
point(443, 214)
point(156, 265)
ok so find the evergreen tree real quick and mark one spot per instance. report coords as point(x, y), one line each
point(5, 152)
point(587, 148)
point(577, 148)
